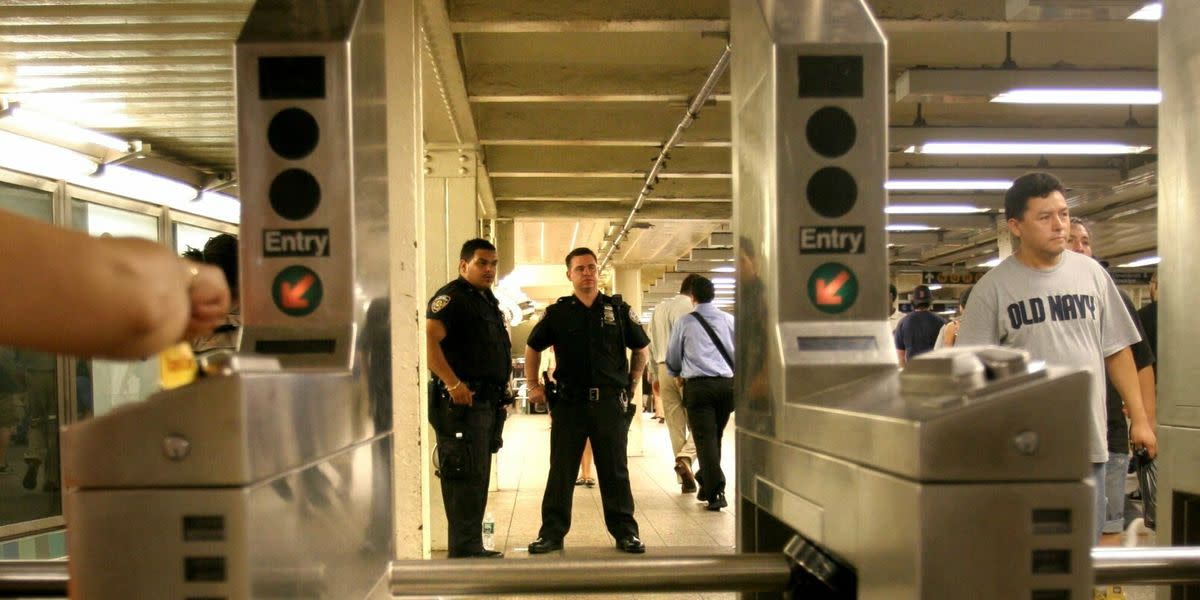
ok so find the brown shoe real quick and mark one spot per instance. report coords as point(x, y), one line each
point(684, 470)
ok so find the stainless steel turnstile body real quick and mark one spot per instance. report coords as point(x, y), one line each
point(250, 485)
point(271, 477)
point(963, 477)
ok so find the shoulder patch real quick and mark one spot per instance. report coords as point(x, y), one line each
point(439, 303)
point(633, 316)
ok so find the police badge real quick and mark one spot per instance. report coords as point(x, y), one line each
point(439, 303)
point(610, 316)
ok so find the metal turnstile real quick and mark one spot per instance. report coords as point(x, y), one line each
point(271, 477)
point(961, 477)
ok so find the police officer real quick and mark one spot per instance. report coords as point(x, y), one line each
point(470, 353)
point(590, 332)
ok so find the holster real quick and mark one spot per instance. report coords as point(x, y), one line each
point(497, 441)
point(444, 417)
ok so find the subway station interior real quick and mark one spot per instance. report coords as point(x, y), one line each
point(802, 155)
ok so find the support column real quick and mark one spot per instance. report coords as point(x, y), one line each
point(1178, 224)
point(406, 256)
point(1004, 239)
point(506, 244)
point(627, 281)
point(450, 218)
point(450, 210)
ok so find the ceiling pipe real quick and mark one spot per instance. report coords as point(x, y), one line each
point(693, 111)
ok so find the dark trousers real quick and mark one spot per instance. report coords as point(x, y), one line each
point(573, 420)
point(709, 402)
point(465, 499)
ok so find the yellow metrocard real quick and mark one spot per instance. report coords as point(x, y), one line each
point(176, 366)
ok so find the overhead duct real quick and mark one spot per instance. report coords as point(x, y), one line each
point(660, 162)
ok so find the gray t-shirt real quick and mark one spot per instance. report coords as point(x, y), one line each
point(1070, 315)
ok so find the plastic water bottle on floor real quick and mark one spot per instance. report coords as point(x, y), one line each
point(489, 532)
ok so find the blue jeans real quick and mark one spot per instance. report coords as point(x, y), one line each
point(1114, 490)
point(1100, 505)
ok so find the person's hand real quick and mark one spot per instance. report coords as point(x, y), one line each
point(462, 395)
point(208, 295)
point(537, 394)
point(656, 388)
point(1143, 436)
point(679, 382)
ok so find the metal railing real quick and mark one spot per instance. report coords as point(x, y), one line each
point(645, 574)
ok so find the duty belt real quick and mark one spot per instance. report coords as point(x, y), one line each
point(593, 394)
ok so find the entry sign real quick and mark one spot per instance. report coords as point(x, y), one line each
point(297, 291)
point(833, 287)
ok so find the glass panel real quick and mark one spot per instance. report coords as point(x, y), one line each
point(101, 385)
point(190, 236)
point(28, 406)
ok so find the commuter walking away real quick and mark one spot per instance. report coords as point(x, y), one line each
point(700, 357)
point(918, 331)
point(666, 315)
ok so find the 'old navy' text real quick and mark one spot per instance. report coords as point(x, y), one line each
point(1065, 307)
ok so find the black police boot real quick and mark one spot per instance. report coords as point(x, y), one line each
point(544, 545)
point(717, 502)
point(631, 544)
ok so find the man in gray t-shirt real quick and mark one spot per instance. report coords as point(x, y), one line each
point(1063, 308)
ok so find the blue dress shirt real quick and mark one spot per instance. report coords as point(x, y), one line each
point(691, 353)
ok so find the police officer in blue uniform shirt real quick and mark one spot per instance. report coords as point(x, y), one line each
point(470, 353)
point(590, 333)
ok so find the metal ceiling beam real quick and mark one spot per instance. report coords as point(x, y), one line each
point(656, 199)
point(899, 137)
point(651, 211)
point(704, 267)
point(604, 175)
point(595, 26)
point(608, 122)
point(980, 85)
point(588, 83)
point(592, 142)
point(686, 160)
point(1070, 10)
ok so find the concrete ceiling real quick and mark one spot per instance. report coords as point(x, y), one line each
point(568, 103)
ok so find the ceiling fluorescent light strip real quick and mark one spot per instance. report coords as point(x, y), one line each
point(949, 184)
point(910, 227)
point(933, 209)
point(1149, 12)
point(1101, 148)
point(1079, 96)
point(1143, 262)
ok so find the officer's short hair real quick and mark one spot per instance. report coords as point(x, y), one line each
point(1029, 185)
point(702, 290)
point(686, 287)
point(580, 252)
point(470, 246)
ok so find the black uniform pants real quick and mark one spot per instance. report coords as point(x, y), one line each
point(573, 420)
point(709, 402)
point(466, 498)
